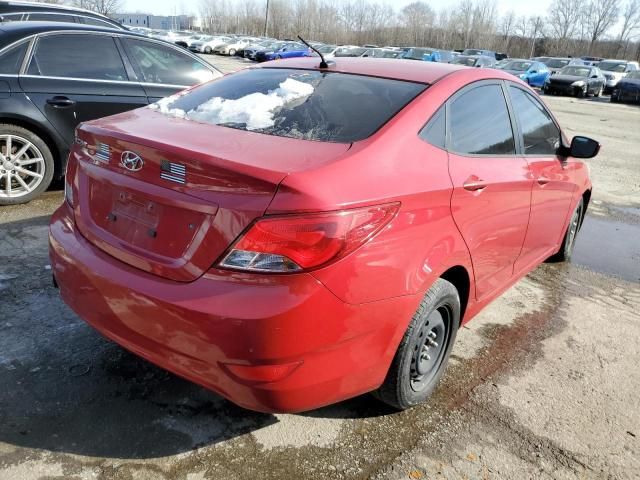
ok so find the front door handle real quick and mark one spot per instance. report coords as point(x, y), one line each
point(543, 180)
point(474, 184)
point(60, 102)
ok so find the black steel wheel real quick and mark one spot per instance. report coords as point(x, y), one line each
point(424, 351)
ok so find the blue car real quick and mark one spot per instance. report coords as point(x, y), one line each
point(425, 54)
point(628, 89)
point(288, 50)
point(533, 73)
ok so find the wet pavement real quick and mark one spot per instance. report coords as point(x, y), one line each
point(542, 384)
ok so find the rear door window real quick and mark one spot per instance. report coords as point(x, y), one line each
point(435, 130)
point(540, 135)
point(11, 60)
point(77, 56)
point(306, 104)
point(156, 63)
point(51, 17)
point(480, 123)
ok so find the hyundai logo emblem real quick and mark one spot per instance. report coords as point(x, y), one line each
point(131, 161)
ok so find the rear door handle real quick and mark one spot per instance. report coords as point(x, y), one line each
point(474, 184)
point(60, 102)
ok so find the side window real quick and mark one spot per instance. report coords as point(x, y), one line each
point(539, 134)
point(435, 130)
point(96, 22)
point(61, 56)
point(480, 123)
point(11, 17)
point(51, 17)
point(157, 63)
point(11, 60)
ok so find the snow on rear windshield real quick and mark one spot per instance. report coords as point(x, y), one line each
point(310, 105)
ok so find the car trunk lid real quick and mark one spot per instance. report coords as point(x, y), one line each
point(195, 189)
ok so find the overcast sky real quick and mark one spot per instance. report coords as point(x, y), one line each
point(169, 7)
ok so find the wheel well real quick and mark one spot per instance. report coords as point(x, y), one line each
point(459, 277)
point(46, 138)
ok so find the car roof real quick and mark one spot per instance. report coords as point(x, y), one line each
point(39, 6)
point(13, 31)
point(409, 70)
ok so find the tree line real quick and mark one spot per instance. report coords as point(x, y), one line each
point(603, 28)
point(600, 28)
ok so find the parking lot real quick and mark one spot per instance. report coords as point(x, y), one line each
point(543, 383)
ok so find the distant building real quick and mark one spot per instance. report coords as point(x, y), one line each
point(156, 22)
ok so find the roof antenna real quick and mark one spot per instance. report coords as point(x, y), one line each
point(323, 63)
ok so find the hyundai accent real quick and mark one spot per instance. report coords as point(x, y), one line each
point(290, 236)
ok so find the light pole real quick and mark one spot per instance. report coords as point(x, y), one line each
point(266, 18)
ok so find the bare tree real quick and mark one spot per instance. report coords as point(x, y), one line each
point(564, 16)
point(104, 7)
point(630, 25)
point(600, 16)
point(417, 16)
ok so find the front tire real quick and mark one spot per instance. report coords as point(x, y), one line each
point(232, 52)
point(424, 351)
point(599, 92)
point(26, 165)
point(568, 243)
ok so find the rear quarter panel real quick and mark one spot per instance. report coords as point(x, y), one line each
point(394, 165)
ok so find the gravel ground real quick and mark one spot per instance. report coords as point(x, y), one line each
point(543, 384)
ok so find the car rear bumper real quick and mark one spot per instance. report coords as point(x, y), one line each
point(321, 349)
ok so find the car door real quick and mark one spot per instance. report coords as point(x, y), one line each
point(491, 184)
point(552, 187)
point(164, 69)
point(75, 77)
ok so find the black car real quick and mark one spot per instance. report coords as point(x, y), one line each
point(628, 89)
point(56, 75)
point(46, 12)
point(576, 80)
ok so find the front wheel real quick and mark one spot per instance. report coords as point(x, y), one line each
point(26, 165)
point(599, 92)
point(424, 351)
point(232, 52)
point(568, 243)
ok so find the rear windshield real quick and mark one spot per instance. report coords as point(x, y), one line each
point(306, 104)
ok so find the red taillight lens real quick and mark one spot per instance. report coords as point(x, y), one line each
point(301, 242)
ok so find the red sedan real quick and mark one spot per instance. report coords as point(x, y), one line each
point(290, 236)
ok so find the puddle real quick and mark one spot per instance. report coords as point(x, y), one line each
point(609, 246)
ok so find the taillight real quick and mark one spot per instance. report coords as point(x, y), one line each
point(295, 243)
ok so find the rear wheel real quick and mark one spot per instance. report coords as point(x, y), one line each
point(566, 249)
point(424, 351)
point(207, 50)
point(599, 92)
point(26, 165)
point(232, 52)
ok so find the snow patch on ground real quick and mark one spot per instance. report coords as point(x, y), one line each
point(255, 110)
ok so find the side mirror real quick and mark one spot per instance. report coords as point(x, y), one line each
point(583, 147)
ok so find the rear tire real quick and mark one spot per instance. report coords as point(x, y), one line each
point(599, 92)
point(568, 243)
point(207, 50)
point(424, 351)
point(232, 52)
point(26, 165)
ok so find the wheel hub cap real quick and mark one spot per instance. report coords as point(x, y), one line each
point(429, 350)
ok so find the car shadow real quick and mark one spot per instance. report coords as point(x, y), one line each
point(68, 389)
